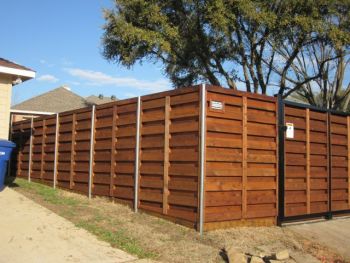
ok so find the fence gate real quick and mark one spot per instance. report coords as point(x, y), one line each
point(314, 151)
point(339, 131)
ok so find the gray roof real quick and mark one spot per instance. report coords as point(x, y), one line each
point(10, 64)
point(58, 100)
point(97, 100)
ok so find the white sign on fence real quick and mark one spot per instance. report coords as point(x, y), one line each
point(216, 105)
point(290, 130)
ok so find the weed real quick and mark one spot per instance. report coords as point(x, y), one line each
point(117, 238)
point(49, 194)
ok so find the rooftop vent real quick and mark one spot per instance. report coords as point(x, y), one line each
point(66, 87)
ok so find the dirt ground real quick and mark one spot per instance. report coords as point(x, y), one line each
point(32, 233)
point(168, 242)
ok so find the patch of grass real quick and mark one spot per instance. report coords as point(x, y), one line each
point(68, 213)
point(49, 194)
point(162, 222)
point(117, 238)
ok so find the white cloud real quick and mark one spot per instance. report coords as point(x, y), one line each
point(96, 78)
point(47, 78)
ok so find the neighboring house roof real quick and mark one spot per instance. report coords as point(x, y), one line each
point(17, 71)
point(97, 100)
point(10, 64)
point(57, 100)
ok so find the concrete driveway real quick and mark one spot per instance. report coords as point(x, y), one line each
point(32, 233)
point(334, 234)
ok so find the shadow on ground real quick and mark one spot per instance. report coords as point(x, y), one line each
point(10, 182)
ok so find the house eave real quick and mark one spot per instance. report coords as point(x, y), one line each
point(31, 112)
point(18, 73)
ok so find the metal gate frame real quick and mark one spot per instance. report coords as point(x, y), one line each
point(281, 164)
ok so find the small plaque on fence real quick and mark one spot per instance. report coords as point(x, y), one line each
point(290, 130)
point(216, 105)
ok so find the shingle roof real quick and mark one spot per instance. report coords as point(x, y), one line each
point(58, 100)
point(97, 100)
point(10, 64)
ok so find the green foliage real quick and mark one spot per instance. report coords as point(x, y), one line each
point(118, 238)
point(249, 42)
point(48, 194)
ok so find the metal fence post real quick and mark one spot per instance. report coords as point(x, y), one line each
point(202, 158)
point(92, 139)
point(329, 144)
point(137, 154)
point(56, 152)
point(30, 149)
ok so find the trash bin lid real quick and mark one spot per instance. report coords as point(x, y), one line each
point(7, 144)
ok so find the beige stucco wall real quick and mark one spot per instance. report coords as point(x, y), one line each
point(5, 105)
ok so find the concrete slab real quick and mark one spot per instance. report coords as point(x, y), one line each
point(334, 234)
point(32, 233)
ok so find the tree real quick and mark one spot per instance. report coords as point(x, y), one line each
point(319, 71)
point(329, 88)
point(249, 42)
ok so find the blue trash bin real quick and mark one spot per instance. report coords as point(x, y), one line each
point(6, 148)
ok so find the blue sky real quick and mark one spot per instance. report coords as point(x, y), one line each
point(61, 41)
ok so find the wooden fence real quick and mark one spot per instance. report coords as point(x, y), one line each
point(241, 159)
point(203, 156)
point(95, 152)
point(339, 140)
point(154, 145)
point(314, 172)
point(307, 164)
